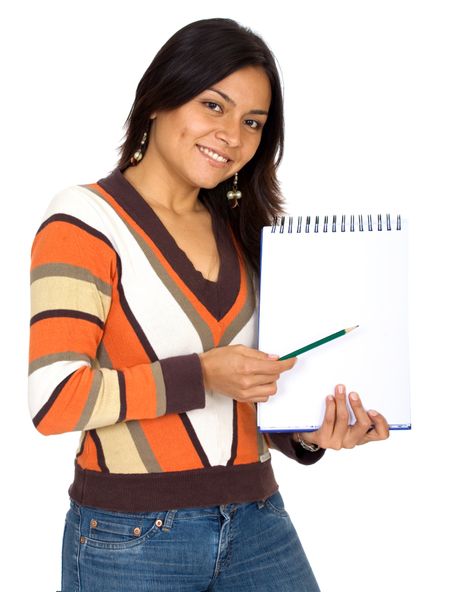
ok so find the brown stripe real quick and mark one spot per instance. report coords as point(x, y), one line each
point(144, 216)
point(234, 444)
point(48, 405)
point(61, 312)
point(76, 222)
point(148, 492)
point(123, 396)
point(100, 455)
point(194, 439)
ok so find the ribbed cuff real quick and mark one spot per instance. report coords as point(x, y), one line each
point(183, 379)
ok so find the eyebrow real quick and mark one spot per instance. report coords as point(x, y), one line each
point(230, 100)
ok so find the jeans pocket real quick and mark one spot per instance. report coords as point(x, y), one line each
point(114, 530)
point(274, 503)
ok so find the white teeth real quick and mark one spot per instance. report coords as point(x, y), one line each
point(212, 154)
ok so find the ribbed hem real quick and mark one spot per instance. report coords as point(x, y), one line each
point(169, 491)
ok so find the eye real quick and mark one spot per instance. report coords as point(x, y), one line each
point(253, 123)
point(213, 106)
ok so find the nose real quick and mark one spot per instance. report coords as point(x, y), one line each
point(230, 132)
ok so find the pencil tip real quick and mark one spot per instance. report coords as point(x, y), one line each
point(351, 328)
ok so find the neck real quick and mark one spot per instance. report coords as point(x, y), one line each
point(160, 189)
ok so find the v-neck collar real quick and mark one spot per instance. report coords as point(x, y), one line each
point(218, 297)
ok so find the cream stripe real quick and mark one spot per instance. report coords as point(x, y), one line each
point(68, 270)
point(121, 454)
point(107, 404)
point(52, 293)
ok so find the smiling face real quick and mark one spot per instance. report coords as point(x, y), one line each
point(212, 136)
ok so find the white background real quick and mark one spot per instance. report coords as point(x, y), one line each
point(368, 128)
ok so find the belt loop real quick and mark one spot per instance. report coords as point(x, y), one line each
point(260, 503)
point(168, 520)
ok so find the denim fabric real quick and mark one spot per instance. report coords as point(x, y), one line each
point(228, 548)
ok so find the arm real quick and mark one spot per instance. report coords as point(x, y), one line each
point(74, 276)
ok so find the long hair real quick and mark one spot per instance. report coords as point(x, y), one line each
point(192, 60)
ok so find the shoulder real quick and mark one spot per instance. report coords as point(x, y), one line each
point(80, 203)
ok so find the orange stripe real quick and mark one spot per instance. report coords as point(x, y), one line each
point(119, 331)
point(247, 450)
point(65, 413)
point(141, 391)
point(59, 334)
point(167, 436)
point(61, 242)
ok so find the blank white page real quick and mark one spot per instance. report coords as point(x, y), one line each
point(314, 284)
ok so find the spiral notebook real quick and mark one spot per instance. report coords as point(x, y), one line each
point(321, 274)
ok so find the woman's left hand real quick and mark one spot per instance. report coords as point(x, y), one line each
point(335, 431)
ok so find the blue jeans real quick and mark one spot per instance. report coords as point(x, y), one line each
point(229, 548)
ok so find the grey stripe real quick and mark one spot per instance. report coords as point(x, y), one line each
point(67, 270)
point(161, 400)
point(66, 356)
point(103, 359)
point(91, 400)
point(143, 447)
point(245, 314)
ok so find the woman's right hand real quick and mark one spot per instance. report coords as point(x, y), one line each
point(243, 373)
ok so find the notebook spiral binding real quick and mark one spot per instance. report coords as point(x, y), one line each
point(330, 223)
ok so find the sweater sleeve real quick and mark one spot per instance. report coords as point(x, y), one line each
point(283, 442)
point(72, 281)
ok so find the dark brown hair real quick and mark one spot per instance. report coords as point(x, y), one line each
point(192, 60)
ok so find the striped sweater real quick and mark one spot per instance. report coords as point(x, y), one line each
point(119, 316)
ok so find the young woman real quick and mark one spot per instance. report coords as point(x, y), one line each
point(144, 330)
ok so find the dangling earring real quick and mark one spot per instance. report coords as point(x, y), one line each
point(234, 194)
point(137, 156)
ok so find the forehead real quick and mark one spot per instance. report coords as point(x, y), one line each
point(248, 87)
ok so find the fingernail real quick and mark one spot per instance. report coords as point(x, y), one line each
point(273, 356)
point(341, 389)
point(373, 412)
point(330, 398)
point(354, 396)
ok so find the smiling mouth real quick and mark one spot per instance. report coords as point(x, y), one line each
point(212, 154)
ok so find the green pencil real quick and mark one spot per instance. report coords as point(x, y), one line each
point(302, 350)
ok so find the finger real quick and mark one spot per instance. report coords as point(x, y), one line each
point(259, 392)
point(380, 426)
point(363, 422)
point(269, 367)
point(341, 424)
point(326, 429)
